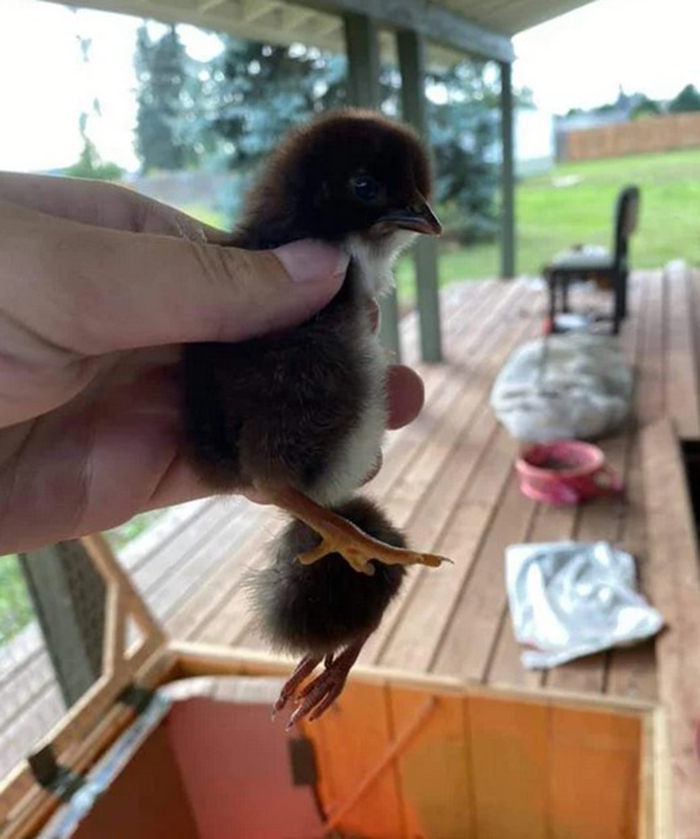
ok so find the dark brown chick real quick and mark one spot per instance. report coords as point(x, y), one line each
point(326, 611)
point(301, 414)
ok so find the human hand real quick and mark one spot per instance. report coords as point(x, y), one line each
point(99, 286)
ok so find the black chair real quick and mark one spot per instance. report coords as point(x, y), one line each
point(595, 263)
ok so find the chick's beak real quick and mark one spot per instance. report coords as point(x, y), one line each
point(417, 216)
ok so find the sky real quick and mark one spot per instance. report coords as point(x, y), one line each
point(578, 60)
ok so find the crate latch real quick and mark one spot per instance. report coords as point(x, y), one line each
point(136, 697)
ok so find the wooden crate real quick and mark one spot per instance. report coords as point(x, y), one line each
point(397, 756)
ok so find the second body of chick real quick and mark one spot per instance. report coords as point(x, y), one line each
point(301, 414)
point(324, 611)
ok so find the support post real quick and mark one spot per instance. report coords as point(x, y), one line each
point(362, 45)
point(411, 50)
point(68, 595)
point(508, 262)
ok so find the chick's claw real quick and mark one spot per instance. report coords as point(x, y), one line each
point(318, 696)
point(358, 549)
point(320, 693)
point(342, 537)
point(354, 557)
point(305, 668)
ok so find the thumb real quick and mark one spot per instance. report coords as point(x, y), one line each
point(189, 291)
point(269, 290)
point(110, 290)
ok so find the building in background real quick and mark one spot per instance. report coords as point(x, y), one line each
point(535, 142)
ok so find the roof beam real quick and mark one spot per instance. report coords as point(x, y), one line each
point(226, 16)
point(260, 11)
point(434, 22)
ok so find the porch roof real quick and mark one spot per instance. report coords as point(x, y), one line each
point(454, 27)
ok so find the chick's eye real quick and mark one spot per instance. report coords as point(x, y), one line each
point(365, 187)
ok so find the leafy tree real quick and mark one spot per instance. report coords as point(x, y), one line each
point(15, 604)
point(645, 107)
point(90, 165)
point(266, 90)
point(464, 135)
point(163, 79)
point(687, 100)
point(253, 95)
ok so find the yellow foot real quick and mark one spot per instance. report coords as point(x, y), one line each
point(358, 549)
point(343, 537)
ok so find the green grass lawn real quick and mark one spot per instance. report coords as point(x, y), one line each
point(551, 218)
point(15, 606)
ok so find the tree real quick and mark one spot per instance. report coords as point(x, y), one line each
point(90, 164)
point(687, 100)
point(464, 128)
point(645, 107)
point(233, 113)
point(253, 95)
point(162, 76)
point(266, 90)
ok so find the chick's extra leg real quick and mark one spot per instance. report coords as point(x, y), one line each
point(343, 537)
point(321, 692)
point(305, 668)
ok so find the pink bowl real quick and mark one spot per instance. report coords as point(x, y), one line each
point(566, 472)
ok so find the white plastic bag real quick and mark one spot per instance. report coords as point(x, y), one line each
point(571, 599)
point(571, 386)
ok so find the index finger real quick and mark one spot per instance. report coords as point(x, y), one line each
point(103, 204)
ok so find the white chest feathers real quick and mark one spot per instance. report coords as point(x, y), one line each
point(357, 456)
point(375, 258)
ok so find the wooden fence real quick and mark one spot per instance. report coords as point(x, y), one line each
point(646, 135)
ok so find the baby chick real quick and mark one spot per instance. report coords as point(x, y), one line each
point(300, 414)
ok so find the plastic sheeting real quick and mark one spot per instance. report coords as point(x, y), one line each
point(570, 599)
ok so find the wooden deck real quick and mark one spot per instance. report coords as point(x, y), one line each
point(448, 480)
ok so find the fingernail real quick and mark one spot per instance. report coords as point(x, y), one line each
point(312, 262)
